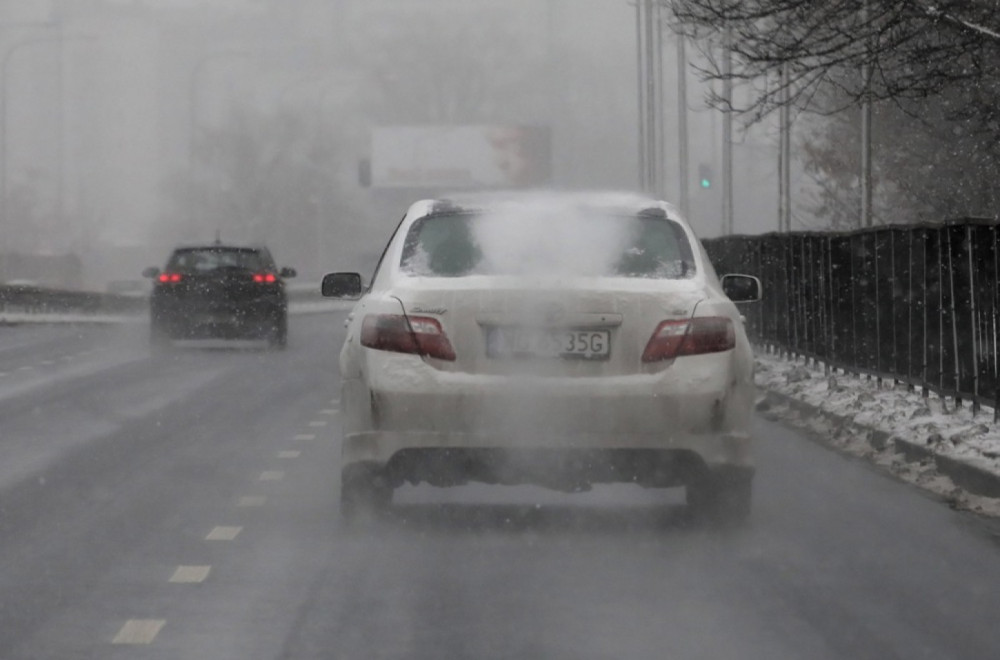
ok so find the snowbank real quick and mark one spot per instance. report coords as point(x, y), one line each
point(928, 441)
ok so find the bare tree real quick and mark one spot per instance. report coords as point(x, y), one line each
point(914, 48)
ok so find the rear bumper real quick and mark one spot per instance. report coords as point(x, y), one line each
point(182, 319)
point(416, 457)
point(700, 422)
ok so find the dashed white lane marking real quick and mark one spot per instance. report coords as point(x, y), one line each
point(251, 500)
point(334, 402)
point(318, 423)
point(46, 363)
point(26, 367)
point(272, 475)
point(190, 574)
point(290, 453)
point(328, 411)
point(139, 631)
point(300, 436)
point(2, 374)
point(223, 534)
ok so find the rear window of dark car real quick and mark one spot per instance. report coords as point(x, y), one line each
point(203, 260)
point(459, 244)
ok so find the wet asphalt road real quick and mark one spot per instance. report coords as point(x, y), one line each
point(185, 506)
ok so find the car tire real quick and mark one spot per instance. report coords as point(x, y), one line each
point(159, 338)
point(724, 496)
point(364, 492)
point(278, 333)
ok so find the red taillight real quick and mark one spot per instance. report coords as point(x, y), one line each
point(265, 278)
point(709, 334)
point(170, 278)
point(391, 332)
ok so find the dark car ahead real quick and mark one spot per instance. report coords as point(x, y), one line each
point(219, 291)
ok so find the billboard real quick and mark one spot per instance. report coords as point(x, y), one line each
point(456, 157)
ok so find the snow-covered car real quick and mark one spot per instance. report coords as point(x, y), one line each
point(559, 340)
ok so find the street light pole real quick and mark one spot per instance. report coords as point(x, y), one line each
point(641, 94)
point(727, 135)
point(866, 132)
point(682, 128)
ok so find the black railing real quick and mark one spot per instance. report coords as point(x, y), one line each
point(917, 304)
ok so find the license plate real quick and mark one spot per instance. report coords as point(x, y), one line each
point(548, 342)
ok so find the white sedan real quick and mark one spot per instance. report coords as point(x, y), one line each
point(555, 340)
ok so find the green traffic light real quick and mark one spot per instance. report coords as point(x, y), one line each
point(705, 183)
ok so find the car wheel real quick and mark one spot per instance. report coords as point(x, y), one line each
point(159, 338)
point(363, 492)
point(721, 496)
point(278, 334)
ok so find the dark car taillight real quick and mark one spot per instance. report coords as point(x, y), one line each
point(709, 334)
point(265, 278)
point(415, 334)
point(170, 278)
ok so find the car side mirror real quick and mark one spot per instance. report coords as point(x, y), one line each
point(288, 272)
point(151, 272)
point(741, 288)
point(342, 285)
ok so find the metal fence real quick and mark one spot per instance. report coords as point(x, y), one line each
point(916, 304)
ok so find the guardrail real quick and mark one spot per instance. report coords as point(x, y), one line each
point(34, 299)
point(916, 304)
point(30, 299)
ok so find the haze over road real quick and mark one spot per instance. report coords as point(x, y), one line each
point(184, 505)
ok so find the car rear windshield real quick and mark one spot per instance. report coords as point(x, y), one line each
point(203, 260)
point(638, 246)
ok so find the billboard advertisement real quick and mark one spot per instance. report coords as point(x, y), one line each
point(457, 157)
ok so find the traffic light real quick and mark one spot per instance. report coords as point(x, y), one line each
point(705, 177)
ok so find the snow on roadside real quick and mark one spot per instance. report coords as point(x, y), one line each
point(856, 409)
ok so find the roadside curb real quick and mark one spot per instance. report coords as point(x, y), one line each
point(964, 474)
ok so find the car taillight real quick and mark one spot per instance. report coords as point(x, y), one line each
point(265, 278)
point(421, 335)
point(170, 278)
point(709, 334)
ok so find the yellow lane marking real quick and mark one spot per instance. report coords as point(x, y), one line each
point(318, 423)
point(291, 453)
point(252, 500)
point(305, 436)
point(190, 574)
point(272, 475)
point(139, 631)
point(223, 534)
